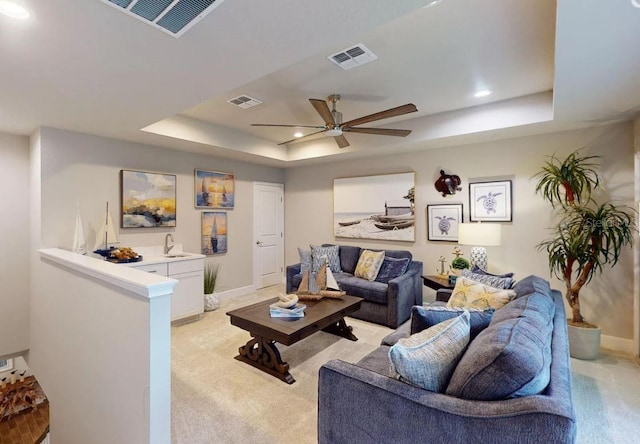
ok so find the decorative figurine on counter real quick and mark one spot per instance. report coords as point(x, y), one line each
point(442, 273)
point(448, 184)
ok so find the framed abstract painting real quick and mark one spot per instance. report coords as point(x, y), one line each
point(148, 199)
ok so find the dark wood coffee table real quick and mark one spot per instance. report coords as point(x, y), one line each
point(261, 351)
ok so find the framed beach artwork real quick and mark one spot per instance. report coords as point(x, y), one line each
point(214, 232)
point(6, 365)
point(214, 189)
point(148, 199)
point(490, 201)
point(375, 207)
point(443, 221)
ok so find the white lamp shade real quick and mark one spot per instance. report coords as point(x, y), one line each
point(486, 235)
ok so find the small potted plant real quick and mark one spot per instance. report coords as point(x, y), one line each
point(587, 237)
point(458, 264)
point(211, 299)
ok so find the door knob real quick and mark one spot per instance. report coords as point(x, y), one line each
point(258, 243)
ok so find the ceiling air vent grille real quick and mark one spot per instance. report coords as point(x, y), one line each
point(351, 57)
point(175, 17)
point(244, 101)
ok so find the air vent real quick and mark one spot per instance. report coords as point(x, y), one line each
point(175, 17)
point(244, 101)
point(351, 57)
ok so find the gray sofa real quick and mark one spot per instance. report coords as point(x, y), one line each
point(384, 303)
point(360, 403)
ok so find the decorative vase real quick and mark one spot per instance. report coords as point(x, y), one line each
point(584, 343)
point(211, 301)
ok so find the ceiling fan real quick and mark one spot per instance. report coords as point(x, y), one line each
point(333, 125)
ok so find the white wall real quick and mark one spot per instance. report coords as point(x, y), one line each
point(607, 301)
point(102, 352)
point(85, 169)
point(14, 241)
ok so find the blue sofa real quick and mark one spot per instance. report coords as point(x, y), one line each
point(361, 403)
point(386, 304)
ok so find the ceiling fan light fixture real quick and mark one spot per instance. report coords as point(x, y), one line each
point(333, 132)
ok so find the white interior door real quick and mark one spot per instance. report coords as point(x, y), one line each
point(268, 238)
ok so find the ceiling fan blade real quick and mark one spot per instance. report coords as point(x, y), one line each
point(303, 137)
point(287, 126)
point(341, 141)
point(393, 112)
point(323, 109)
point(380, 131)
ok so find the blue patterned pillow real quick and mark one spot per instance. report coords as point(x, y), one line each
point(428, 358)
point(331, 254)
point(391, 268)
point(478, 270)
point(487, 279)
point(426, 317)
point(305, 260)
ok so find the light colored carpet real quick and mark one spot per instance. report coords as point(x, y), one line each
point(217, 399)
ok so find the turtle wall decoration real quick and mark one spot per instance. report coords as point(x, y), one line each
point(448, 184)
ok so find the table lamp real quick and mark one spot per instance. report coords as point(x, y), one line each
point(479, 235)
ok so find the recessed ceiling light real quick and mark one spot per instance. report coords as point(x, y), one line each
point(298, 134)
point(483, 93)
point(13, 10)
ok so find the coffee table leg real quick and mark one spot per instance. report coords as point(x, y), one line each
point(263, 354)
point(341, 328)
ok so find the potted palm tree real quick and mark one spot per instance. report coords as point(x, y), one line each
point(211, 299)
point(587, 237)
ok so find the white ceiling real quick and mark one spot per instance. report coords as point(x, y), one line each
point(84, 66)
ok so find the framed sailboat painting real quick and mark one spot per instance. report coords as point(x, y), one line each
point(214, 232)
point(214, 189)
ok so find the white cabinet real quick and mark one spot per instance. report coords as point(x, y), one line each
point(188, 294)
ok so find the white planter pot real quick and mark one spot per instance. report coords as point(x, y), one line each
point(584, 343)
point(211, 301)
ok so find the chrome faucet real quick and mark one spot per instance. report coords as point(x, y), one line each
point(168, 248)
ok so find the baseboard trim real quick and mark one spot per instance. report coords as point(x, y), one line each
point(241, 291)
point(617, 344)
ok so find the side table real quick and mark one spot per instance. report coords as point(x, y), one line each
point(436, 282)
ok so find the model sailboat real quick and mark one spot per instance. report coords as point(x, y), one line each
point(105, 235)
point(214, 236)
point(79, 243)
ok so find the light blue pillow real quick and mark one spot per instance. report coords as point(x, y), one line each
point(305, 260)
point(331, 254)
point(427, 359)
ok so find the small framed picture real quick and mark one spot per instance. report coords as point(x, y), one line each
point(214, 232)
point(490, 201)
point(214, 189)
point(6, 365)
point(443, 221)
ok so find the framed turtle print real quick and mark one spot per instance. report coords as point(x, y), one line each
point(490, 201)
point(443, 221)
